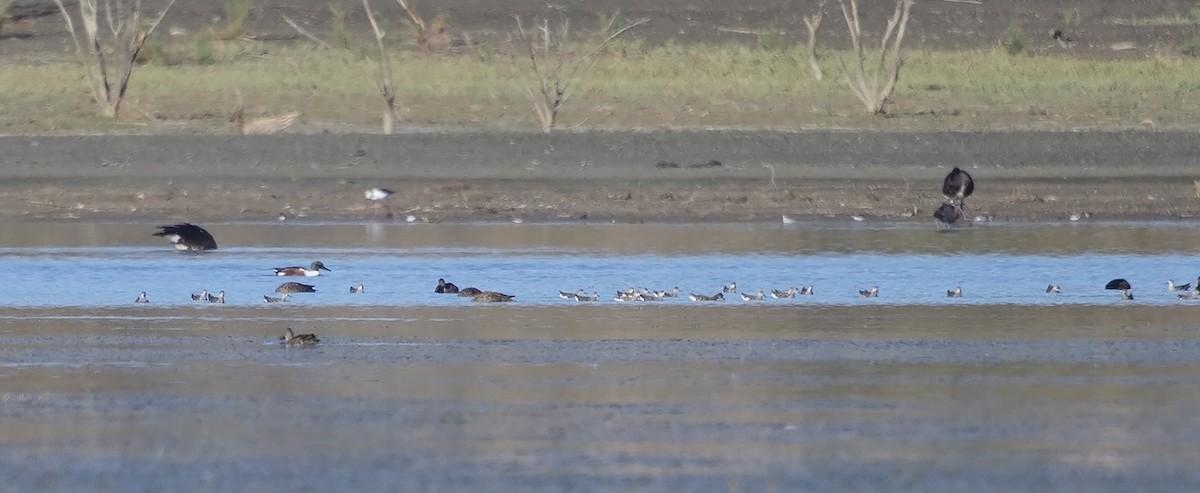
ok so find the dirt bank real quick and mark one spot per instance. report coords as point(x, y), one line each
point(623, 176)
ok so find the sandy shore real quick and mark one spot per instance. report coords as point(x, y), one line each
point(455, 175)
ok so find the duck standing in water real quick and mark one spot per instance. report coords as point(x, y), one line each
point(295, 270)
point(188, 237)
point(291, 339)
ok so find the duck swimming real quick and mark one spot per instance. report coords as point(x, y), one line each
point(291, 339)
point(295, 287)
point(295, 270)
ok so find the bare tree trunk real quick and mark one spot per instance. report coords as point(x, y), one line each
point(554, 84)
point(128, 37)
point(386, 88)
point(813, 23)
point(868, 91)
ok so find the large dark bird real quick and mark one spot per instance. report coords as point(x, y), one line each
point(1118, 284)
point(958, 185)
point(188, 236)
point(948, 212)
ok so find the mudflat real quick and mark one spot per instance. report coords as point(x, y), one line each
point(718, 175)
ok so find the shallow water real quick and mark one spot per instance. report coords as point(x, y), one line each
point(1005, 389)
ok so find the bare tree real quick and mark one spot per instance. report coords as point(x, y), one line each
point(813, 23)
point(555, 68)
point(430, 34)
point(387, 89)
point(109, 62)
point(868, 90)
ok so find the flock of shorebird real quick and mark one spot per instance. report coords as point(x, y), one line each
point(956, 186)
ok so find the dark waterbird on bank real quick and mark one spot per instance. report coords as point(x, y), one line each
point(958, 185)
point(187, 236)
point(1118, 284)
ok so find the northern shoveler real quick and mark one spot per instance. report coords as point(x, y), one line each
point(378, 194)
point(445, 287)
point(753, 297)
point(295, 270)
point(142, 298)
point(268, 299)
point(219, 298)
point(492, 297)
point(789, 293)
point(1053, 289)
point(356, 289)
point(702, 297)
point(291, 339)
point(469, 292)
point(869, 293)
point(295, 287)
point(954, 293)
point(187, 236)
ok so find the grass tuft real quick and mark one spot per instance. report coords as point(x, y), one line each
point(1012, 39)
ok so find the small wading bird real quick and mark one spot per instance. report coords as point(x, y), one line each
point(789, 293)
point(444, 287)
point(295, 270)
point(295, 287)
point(954, 293)
point(957, 186)
point(752, 297)
point(268, 299)
point(869, 293)
point(201, 296)
point(1126, 295)
point(142, 298)
point(701, 297)
point(187, 237)
point(583, 297)
point(806, 290)
point(1190, 295)
point(1053, 289)
point(377, 194)
point(356, 289)
point(492, 297)
point(730, 288)
point(1171, 286)
point(219, 298)
point(291, 339)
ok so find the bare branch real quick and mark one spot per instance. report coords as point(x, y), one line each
point(869, 93)
point(386, 87)
point(416, 20)
point(310, 36)
point(813, 23)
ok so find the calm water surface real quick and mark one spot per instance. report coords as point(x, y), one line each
point(1005, 389)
